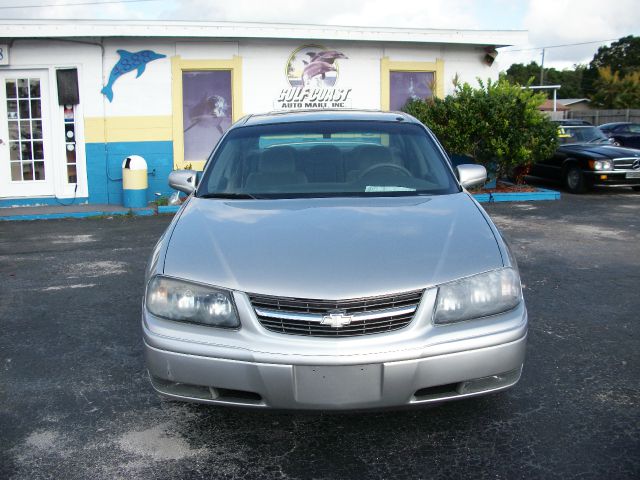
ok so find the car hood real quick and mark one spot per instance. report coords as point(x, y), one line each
point(331, 248)
point(603, 150)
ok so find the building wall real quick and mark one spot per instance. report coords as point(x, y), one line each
point(141, 118)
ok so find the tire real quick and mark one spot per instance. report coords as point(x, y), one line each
point(574, 180)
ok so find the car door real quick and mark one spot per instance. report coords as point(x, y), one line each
point(552, 167)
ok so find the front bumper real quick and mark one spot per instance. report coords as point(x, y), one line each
point(629, 178)
point(391, 384)
point(253, 367)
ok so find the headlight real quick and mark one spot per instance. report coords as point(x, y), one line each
point(191, 302)
point(478, 296)
point(601, 164)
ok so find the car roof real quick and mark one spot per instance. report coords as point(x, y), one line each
point(615, 124)
point(324, 115)
point(570, 122)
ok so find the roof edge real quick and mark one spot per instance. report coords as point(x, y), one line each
point(38, 28)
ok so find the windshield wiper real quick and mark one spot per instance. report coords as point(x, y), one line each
point(233, 196)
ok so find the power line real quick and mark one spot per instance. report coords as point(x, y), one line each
point(95, 2)
point(559, 46)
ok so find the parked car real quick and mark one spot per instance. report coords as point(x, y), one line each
point(331, 260)
point(585, 158)
point(623, 134)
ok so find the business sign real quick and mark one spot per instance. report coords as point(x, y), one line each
point(4, 54)
point(312, 73)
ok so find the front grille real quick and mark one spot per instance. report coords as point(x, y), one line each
point(625, 163)
point(367, 316)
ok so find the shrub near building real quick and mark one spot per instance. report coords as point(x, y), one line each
point(497, 124)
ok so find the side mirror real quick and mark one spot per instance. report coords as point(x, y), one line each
point(471, 175)
point(183, 180)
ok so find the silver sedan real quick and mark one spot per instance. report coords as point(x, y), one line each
point(331, 260)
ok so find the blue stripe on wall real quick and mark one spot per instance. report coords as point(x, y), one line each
point(104, 168)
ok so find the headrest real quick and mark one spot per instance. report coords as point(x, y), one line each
point(277, 160)
point(324, 150)
point(369, 155)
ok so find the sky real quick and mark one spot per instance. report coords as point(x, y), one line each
point(548, 22)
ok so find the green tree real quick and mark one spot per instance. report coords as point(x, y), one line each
point(569, 79)
point(521, 74)
point(622, 56)
point(497, 124)
point(614, 90)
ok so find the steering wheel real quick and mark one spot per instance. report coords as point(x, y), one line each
point(380, 166)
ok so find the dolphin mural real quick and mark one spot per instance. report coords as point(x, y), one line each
point(128, 62)
point(314, 69)
point(319, 64)
point(328, 56)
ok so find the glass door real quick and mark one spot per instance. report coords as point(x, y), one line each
point(25, 164)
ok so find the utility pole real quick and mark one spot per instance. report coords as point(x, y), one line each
point(542, 69)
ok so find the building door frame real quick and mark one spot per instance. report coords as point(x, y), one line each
point(58, 179)
point(26, 134)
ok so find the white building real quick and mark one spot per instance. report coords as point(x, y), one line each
point(167, 90)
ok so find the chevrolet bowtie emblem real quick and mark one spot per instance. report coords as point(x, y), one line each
point(336, 319)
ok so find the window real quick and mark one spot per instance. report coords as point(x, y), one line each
point(206, 100)
point(401, 81)
point(206, 111)
point(24, 117)
point(327, 158)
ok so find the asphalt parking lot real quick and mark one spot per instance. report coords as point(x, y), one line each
point(75, 401)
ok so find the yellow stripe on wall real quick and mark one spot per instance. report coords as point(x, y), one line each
point(128, 129)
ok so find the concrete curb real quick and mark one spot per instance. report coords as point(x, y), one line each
point(168, 208)
point(143, 212)
point(540, 194)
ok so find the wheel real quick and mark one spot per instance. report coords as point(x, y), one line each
point(389, 166)
point(574, 180)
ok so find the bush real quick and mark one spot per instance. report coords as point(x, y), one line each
point(498, 124)
point(162, 201)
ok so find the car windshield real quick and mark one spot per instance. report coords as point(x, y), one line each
point(327, 158)
point(577, 134)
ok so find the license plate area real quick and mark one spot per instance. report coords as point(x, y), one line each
point(338, 385)
point(633, 174)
